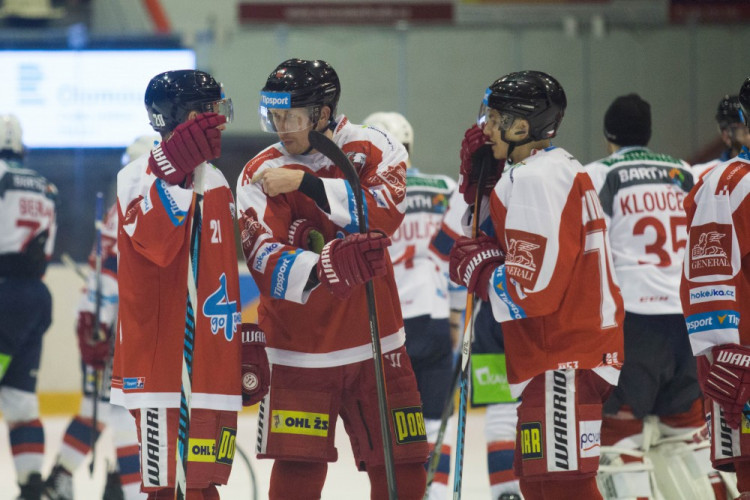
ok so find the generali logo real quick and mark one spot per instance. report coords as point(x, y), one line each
point(710, 250)
point(525, 252)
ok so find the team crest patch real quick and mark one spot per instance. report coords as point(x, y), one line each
point(532, 444)
point(408, 424)
point(227, 446)
point(524, 256)
point(299, 422)
point(711, 250)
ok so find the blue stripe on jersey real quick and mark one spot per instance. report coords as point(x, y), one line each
point(443, 243)
point(713, 320)
point(745, 153)
point(31, 433)
point(353, 226)
point(500, 460)
point(176, 215)
point(500, 285)
point(280, 280)
point(128, 464)
point(487, 227)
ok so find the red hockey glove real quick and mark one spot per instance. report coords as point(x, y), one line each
point(728, 380)
point(256, 375)
point(354, 260)
point(473, 151)
point(303, 234)
point(472, 262)
point(191, 143)
point(94, 351)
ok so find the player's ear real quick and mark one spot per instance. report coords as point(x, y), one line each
point(325, 116)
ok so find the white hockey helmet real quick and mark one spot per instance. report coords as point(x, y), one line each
point(395, 124)
point(139, 147)
point(10, 135)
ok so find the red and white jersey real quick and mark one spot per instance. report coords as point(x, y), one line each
point(109, 292)
point(715, 287)
point(421, 274)
point(153, 239)
point(27, 222)
point(642, 195)
point(312, 328)
point(556, 292)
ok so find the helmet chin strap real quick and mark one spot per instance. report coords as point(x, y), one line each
point(513, 144)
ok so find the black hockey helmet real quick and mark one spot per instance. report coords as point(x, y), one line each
point(744, 99)
point(728, 111)
point(300, 83)
point(532, 95)
point(172, 95)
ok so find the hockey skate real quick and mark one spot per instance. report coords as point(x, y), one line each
point(509, 496)
point(113, 488)
point(33, 488)
point(59, 484)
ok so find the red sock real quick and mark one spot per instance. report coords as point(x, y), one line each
point(299, 480)
point(410, 481)
point(743, 476)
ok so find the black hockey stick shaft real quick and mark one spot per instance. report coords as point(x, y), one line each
point(329, 148)
point(98, 218)
point(465, 362)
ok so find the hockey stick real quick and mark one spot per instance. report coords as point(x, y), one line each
point(466, 340)
point(329, 148)
point(244, 457)
point(68, 261)
point(434, 459)
point(186, 387)
point(98, 216)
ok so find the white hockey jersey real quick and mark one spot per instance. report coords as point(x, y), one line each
point(27, 221)
point(422, 275)
point(556, 293)
point(642, 195)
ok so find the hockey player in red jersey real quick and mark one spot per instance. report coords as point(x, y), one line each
point(544, 264)
point(301, 242)
point(155, 205)
point(715, 294)
point(28, 205)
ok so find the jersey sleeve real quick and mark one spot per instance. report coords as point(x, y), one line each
point(444, 239)
point(382, 173)
point(154, 213)
point(280, 270)
point(716, 261)
point(537, 269)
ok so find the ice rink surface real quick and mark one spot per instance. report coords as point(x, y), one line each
point(344, 482)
